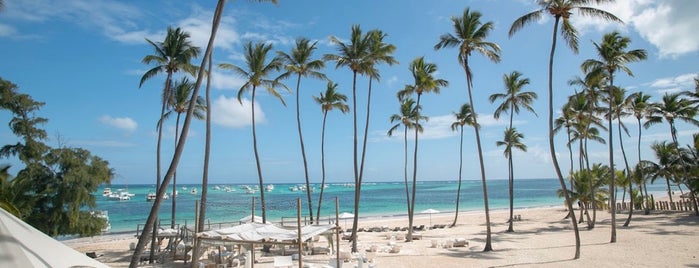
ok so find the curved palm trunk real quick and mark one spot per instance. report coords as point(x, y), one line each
point(357, 180)
point(158, 146)
point(405, 166)
point(593, 196)
point(303, 150)
point(511, 178)
point(207, 152)
point(174, 179)
point(411, 211)
point(628, 173)
point(153, 215)
point(458, 188)
point(322, 166)
point(612, 183)
point(640, 170)
point(488, 245)
point(257, 159)
point(553, 148)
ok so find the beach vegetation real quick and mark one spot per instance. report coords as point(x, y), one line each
point(637, 104)
point(256, 74)
point(423, 82)
point(513, 99)
point(463, 118)
point(330, 100)
point(469, 36)
point(300, 63)
point(53, 190)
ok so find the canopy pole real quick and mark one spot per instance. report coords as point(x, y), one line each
point(253, 210)
point(298, 226)
point(195, 241)
point(337, 232)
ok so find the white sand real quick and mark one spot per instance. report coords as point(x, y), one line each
point(541, 239)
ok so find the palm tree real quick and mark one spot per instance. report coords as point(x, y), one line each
point(423, 82)
point(581, 190)
point(175, 53)
point(637, 103)
point(407, 117)
point(672, 108)
point(613, 57)
point(667, 164)
point(463, 117)
point(512, 139)
point(299, 62)
point(328, 101)
point(512, 99)
point(256, 73)
point(152, 216)
point(178, 104)
point(470, 37)
point(207, 152)
point(354, 56)
point(561, 10)
point(565, 121)
point(618, 111)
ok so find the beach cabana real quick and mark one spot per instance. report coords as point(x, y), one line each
point(22, 245)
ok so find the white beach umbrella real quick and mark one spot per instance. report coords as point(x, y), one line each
point(22, 245)
point(429, 211)
point(249, 218)
point(345, 216)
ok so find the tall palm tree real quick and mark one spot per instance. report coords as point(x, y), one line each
point(299, 62)
point(207, 151)
point(470, 36)
point(152, 216)
point(256, 73)
point(618, 111)
point(512, 139)
point(565, 121)
point(512, 100)
point(328, 101)
point(355, 56)
point(637, 103)
point(175, 53)
point(561, 10)
point(671, 108)
point(667, 164)
point(423, 82)
point(407, 117)
point(613, 57)
point(463, 117)
point(177, 105)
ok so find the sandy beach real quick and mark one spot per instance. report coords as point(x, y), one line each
point(542, 238)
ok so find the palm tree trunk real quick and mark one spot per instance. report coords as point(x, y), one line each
point(628, 173)
point(488, 245)
point(612, 183)
point(174, 178)
point(405, 166)
point(640, 170)
point(357, 180)
point(166, 95)
point(257, 159)
point(411, 212)
point(461, 161)
point(510, 169)
point(322, 165)
point(552, 146)
point(303, 150)
point(153, 215)
point(207, 152)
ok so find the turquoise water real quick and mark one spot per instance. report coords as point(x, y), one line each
point(377, 199)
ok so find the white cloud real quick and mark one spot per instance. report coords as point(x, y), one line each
point(669, 25)
point(6, 30)
point(229, 112)
point(225, 80)
point(124, 123)
point(199, 27)
point(673, 84)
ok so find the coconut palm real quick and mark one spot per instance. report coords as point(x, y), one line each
point(328, 101)
point(407, 117)
point(256, 73)
point(671, 108)
point(175, 53)
point(177, 105)
point(565, 121)
point(512, 101)
point(463, 117)
point(613, 57)
point(561, 10)
point(618, 111)
point(207, 151)
point(423, 82)
point(512, 139)
point(470, 36)
point(150, 222)
point(300, 63)
point(666, 166)
point(581, 190)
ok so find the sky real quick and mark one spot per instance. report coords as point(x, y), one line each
point(83, 59)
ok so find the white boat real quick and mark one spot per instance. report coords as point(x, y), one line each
point(121, 195)
point(293, 188)
point(269, 188)
point(193, 191)
point(151, 196)
point(107, 192)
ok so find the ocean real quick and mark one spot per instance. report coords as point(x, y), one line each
point(231, 202)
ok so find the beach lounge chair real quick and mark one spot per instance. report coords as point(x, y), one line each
point(434, 243)
point(345, 256)
point(460, 242)
point(283, 261)
point(395, 249)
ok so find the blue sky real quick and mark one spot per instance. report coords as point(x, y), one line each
point(83, 58)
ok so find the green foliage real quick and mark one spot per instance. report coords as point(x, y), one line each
point(54, 190)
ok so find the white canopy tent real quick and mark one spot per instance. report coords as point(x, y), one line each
point(258, 232)
point(22, 245)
